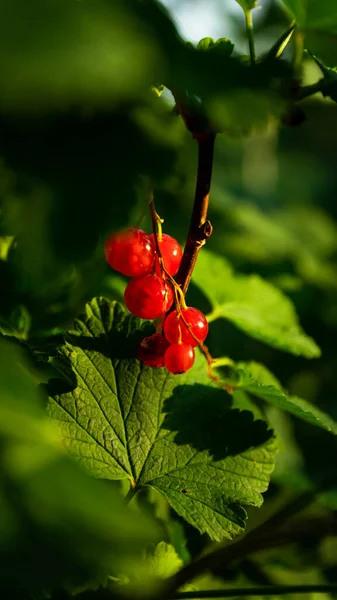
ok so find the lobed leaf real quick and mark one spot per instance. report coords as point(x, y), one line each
point(257, 307)
point(176, 434)
point(164, 561)
point(258, 381)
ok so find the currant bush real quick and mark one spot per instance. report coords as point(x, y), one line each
point(149, 295)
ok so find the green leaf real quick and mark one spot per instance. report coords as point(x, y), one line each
point(57, 524)
point(242, 111)
point(164, 562)
point(248, 4)
point(252, 304)
point(329, 84)
point(310, 14)
point(270, 238)
point(255, 379)
point(261, 374)
point(5, 243)
point(205, 44)
point(150, 573)
point(176, 434)
point(223, 46)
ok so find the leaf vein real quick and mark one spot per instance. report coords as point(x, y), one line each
point(91, 436)
point(94, 396)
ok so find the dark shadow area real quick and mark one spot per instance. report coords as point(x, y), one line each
point(202, 417)
point(112, 346)
point(122, 331)
point(117, 343)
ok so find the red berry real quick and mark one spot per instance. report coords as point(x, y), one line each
point(193, 317)
point(131, 252)
point(151, 350)
point(171, 252)
point(179, 358)
point(148, 297)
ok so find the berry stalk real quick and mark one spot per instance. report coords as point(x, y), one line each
point(200, 228)
point(156, 222)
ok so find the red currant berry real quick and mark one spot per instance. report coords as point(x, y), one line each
point(179, 358)
point(148, 297)
point(193, 317)
point(131, 252)
point(151, 350)
point(171, 252)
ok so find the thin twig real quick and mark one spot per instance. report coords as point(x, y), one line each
point(200, 228)
point(272, 590)
point(302, 532)
point(291, 508)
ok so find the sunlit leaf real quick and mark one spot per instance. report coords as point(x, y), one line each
point(176, 434)
point(252, 304)
point(205, 44)
point(258, 381)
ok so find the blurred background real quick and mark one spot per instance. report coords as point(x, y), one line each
point(79, 125)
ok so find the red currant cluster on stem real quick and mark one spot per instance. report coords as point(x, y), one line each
point(152, 261)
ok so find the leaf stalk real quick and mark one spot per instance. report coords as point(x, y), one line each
point(131, 494)
point(250, 35)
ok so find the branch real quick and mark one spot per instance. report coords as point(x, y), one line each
point(200, 229)
point(304, 531)
point(271, 590)
point(293, 507)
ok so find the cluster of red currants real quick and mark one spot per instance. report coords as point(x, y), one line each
point(150, 295)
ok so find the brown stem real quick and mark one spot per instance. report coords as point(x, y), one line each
point(270, 590)
point(200, 228)
point(303, 532)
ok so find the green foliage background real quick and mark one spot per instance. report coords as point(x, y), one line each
point(80, 125)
